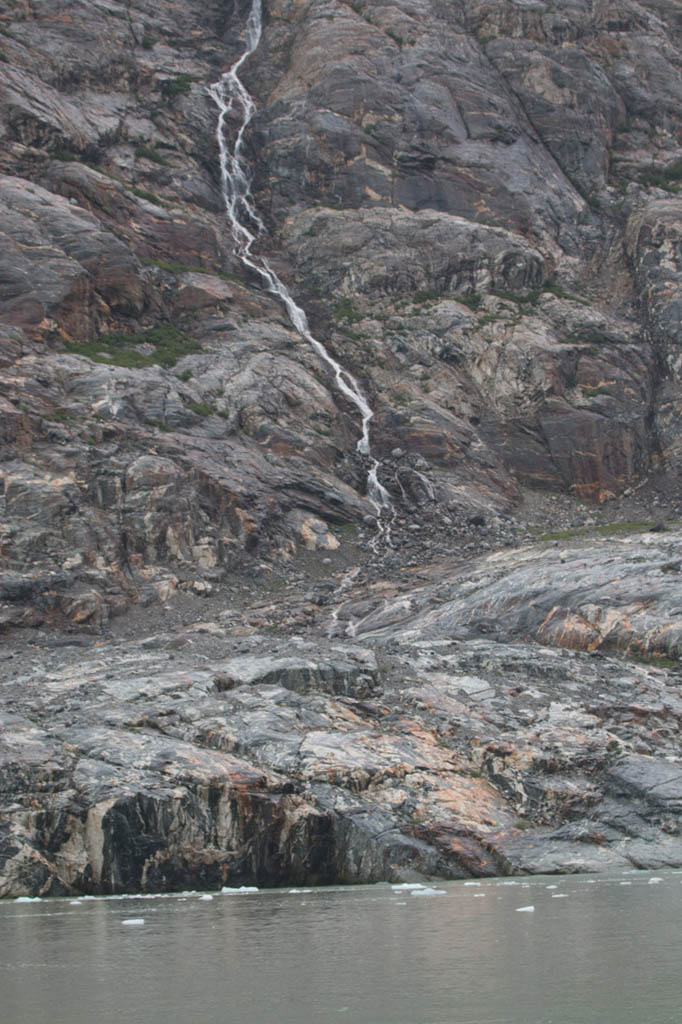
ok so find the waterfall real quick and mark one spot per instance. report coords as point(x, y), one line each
point(246, 225)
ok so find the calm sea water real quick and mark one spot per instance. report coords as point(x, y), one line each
point(600, 949)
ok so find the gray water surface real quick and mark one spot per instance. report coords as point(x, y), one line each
point(594, 949)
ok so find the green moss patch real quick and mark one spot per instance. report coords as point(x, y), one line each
point(120, 349)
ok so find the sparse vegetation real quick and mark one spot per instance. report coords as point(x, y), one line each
point(178, 86)
point(150, 152)
point(604, 530)
point(142, 193)
point(520, 298)
point(595, 392)
point(121, 349)
point(343, 310)
point(656, 660)
point(668, 178)
point(157, 424)
point(185, 268)
point(61, 416)
point(422, 297)
point(472, 300)
point(201, 408)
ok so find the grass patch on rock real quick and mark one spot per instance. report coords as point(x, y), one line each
point(201, 408)
point(167, 343)
point(604, 530)
point(655, 660)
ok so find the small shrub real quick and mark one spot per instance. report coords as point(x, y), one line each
point(666, 177)
point(201, 408)
point(595, 392)
point(178, 86)
point(422, 297)
point(149, 197)
point(147, 152)
point(472, 300)
point(157, 424)
point(61, 416)
point(343, 310)
point(521, 299)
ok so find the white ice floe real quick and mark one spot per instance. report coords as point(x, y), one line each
point(551, 887)
point(133, 921)
point(559, 895)
point(655, 881)
point(479, 895)
point(206, 896)
point(429, 892)
point(76, 903)
point(293, 892)
point(525, 910)
point(408, 885)
point(472, 883)
point(27, 899)
point(240, 889)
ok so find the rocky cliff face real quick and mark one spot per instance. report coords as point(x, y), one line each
point(477, 204)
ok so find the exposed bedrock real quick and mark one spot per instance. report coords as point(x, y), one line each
point(475, 202)
point(444, 741)
point(213, 671)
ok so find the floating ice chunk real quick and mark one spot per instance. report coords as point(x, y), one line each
point(27, 899)
point(206, 896)
point(89, 897)
point(625, 883)
point(655, 881)
point(472, 883)
point(133, 921)
point(297, 891)
point(76, 903)
point(240, 889)
point(409, 885)
point(479, 895)
point(559, 895)
point(525, 910)
point(429, 892)
point(551, 887)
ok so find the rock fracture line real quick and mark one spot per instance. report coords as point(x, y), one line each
point(246, 225)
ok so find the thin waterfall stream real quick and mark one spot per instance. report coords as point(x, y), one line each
point(230, 94)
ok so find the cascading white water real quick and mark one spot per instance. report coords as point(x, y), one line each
point(246, 225)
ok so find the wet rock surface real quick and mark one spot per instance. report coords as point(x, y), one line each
point(217, 666)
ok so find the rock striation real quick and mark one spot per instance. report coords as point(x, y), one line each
point(213, 669)
point(443, 741)
point(476, 204)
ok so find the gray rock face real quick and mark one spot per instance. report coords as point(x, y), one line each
point(424, 750)
point(477, 204)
